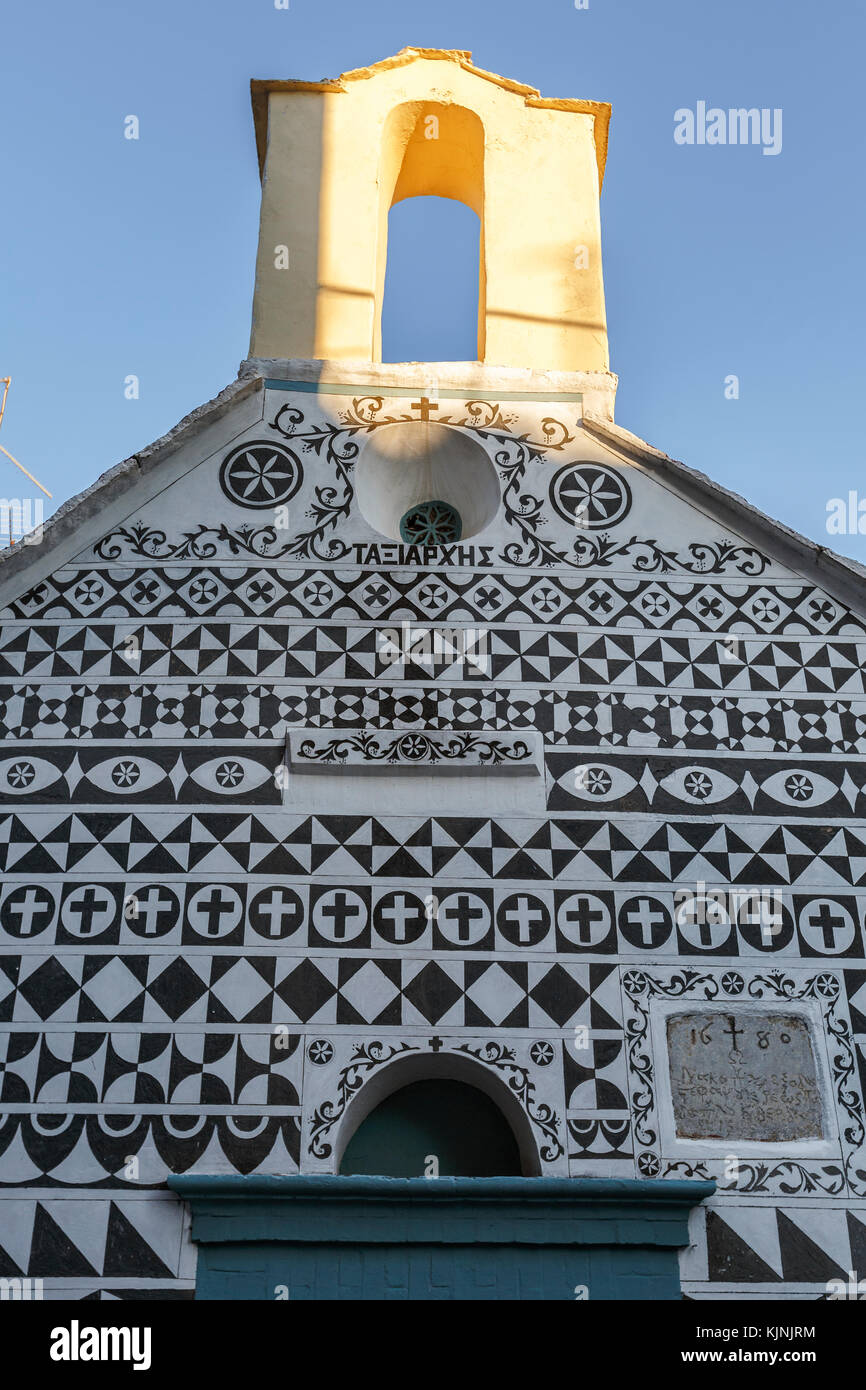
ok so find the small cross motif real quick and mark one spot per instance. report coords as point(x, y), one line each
point(733, 1033)
point(425, 406)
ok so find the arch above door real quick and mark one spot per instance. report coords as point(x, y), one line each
point(417, 1067)
point(434, 1128)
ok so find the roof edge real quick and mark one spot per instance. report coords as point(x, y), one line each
point(849, 575)
point(70, 515)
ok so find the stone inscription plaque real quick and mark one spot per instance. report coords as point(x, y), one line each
point(742, 1075)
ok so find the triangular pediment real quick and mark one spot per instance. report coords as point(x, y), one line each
point(255, 504)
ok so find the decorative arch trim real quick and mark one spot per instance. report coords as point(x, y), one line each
point(403, 1070)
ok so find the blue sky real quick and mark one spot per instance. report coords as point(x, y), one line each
point(136, 257)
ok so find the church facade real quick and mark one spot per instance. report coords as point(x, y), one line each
point(394, 730)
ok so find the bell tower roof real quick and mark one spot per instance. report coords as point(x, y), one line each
point(260, 87)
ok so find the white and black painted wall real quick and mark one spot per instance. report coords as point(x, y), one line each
point(287, 799)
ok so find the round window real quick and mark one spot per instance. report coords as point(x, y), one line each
point(431, 523)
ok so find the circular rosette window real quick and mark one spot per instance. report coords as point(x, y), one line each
point(431, 523)
point(260, 474)
point(590, 495)
point(426, 483)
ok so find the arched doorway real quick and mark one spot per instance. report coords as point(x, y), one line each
point(449, 1106)
point(434, 1128)
point(487, 1226)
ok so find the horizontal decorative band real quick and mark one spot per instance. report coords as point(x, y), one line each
point(421, 749)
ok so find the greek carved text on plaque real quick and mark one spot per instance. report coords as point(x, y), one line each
point(743, 1075)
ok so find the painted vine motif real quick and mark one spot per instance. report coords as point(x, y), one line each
point(365, 1058)
point(413, 748)
point(338, 445)
point(498, 1055)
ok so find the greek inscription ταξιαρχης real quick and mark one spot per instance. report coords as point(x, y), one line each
point(742, 1075)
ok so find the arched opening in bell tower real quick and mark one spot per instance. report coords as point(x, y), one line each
point(430, 297)
point(429, 305)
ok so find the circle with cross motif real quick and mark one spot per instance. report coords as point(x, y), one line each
point(339, 915)
point(645, 922)
point(703, 922)
point(590, 496)
point(215, 910)
point(523, 919)
point(583, 919)
point(763, 922)
point(261, 474)
point(401, 918)
point(27, 910)
point(151, 911)
point(88, 910)
point(826, 927)
point(276, 913)
point(463, 919)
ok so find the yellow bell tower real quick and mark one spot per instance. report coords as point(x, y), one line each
point(336, 155)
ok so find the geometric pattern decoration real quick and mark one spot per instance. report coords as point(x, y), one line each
point(810, 666)
point(260, 591)
point(47, 774)
point(608, 719)
point(509, 920)
point(599, 851)
point(195, 979)
point(80, 1240)
point(132, 775)
point(205, 990)
point(50, 774)
point(87, 1148)
point(777, 1245)
point(149, 1068)
point(759, 787)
